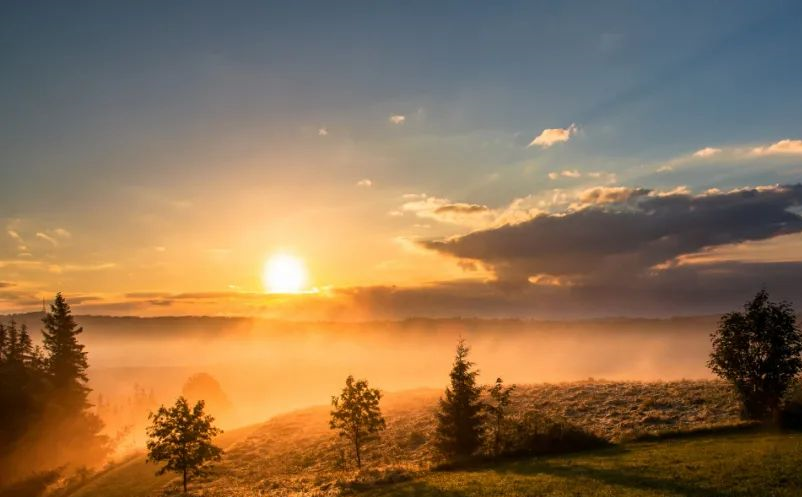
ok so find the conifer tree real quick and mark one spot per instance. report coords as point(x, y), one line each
point(460, 419)
point(66, 359)
point(356, 414)
point(182, 438)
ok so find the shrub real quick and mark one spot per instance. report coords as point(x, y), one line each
point(535, 434)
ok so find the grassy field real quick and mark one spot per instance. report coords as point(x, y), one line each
point(296, 454)
point(736, 465)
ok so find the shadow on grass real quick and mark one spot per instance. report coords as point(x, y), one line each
point(624, 477)
point(415, 489)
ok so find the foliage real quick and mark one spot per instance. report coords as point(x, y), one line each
point(497, 408)
point(45, 420)
point(536, 434)
point(356, 414)
point(758, 350)
point(181, 438)
point(460, 418)
point(66, 361)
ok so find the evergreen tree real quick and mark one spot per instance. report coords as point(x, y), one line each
point(3, 343)
point(497, 408)
point(66, 360)
point(356, 414)
point(182, 438)
point(460, 418)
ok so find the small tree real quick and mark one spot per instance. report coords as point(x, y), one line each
point(758, 350)
point(460, 419)
point(356, 414)
point(182, 438)
point(497, 408)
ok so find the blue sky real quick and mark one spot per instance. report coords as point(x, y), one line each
point(242, 128)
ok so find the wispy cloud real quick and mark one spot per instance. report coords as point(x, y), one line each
point(49, 239)
point(364, 183)
point(550, 136)
point(323, 132)
point(397, 119)
point(568, 173)
point(707, 152)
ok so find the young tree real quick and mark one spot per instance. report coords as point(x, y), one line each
point(356, 414)
point(500, 401)
point(758, 350)
point(66, 359)
point(182, 438)
point(460, 419)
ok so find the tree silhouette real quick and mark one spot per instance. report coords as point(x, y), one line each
point(182, 438)
point(497, 408)
point(66, 361)
point(758, 350)
point(460, 419)
point(356, 414)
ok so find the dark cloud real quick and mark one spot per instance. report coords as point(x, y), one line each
point(681, 290)
point(460, 208)
point(628, 237)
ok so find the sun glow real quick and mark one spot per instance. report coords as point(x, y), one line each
point(284, 273)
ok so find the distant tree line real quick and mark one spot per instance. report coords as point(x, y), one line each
point(45, 421)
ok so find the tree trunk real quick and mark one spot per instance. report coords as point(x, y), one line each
point(358, 455)
point(185, 480)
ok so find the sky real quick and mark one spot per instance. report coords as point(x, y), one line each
point(570, 159)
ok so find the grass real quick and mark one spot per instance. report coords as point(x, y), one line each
point(734, 465)
point(296, 454)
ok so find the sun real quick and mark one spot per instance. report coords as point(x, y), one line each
point(284, 273)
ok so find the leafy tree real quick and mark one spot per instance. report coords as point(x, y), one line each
point(497, 408)
point(460, 419)
point(356, 414)
point(758, 350)
point(67, 361)
point(182, 438)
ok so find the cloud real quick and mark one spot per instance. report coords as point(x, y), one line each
point(707, 152)
point(461, 208)
point(397, 119)
point(611, 195)
point(549, 137)
point(568, 173)
point(322, 132)
point(627, 233)
point(443, 210)
point(364, 183)
point(782, 147)
point(49, 239)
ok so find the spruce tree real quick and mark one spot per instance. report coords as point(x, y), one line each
point(66, 359)
point(460, 418)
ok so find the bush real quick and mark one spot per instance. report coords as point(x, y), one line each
point(535, 434)
point(790, 415)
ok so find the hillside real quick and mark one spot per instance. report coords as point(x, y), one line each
point(296, 454)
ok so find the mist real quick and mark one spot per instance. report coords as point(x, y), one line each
point(268, 367)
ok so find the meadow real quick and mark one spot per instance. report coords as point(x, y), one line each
point(296, 454)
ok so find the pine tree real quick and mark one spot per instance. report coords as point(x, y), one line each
point(3, 344)
point(460, 419)
point(356, 414)
point(182, 438)
point(66, 359)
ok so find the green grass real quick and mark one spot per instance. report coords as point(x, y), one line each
point(733, 465)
